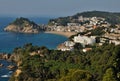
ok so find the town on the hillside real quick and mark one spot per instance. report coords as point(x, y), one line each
point(89, 25)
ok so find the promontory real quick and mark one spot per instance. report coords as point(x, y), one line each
point(23, 25)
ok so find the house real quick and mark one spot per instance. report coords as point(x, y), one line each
point(103, 39)
point(116, 42)
point(62, 47)
point(86, 49)
point(73, 24)
point(69, 43)
point(117, 30)
point(85, 40)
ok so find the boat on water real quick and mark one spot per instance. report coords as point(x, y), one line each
point(1, 65)
point(5, 76)
point(10, 72)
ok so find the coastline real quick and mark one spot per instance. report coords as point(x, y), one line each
point(66, 34)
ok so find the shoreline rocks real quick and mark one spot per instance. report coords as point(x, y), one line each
point(4, 56)
point(11, 67)
point(1, 65)
point(8, 57)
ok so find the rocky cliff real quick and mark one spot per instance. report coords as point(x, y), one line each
point(23, 25)
point(4, 56)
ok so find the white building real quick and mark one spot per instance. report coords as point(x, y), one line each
point(115, 42)
point(62, 47)
point(69, 43)
point(84, 40)
point(73, 24)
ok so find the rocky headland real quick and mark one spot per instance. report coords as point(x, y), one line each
point(23, 25)
point(5, 56)
point(9, 58)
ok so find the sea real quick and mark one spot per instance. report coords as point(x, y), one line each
point(10, 40)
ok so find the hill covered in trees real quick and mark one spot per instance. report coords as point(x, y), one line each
point(113, 18)
point(41, 64)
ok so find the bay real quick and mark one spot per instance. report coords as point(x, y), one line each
point(10, 40)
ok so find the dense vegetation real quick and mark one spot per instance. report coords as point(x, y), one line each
point(23, 22)
point(100, 64)
point(113, 18)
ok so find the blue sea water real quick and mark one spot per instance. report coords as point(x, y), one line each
point(9, 40)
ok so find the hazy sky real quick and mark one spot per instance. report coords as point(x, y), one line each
point(55, 7)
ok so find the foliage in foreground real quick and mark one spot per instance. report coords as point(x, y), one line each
point(100, 64)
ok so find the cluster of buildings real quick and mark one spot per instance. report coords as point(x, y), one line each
point(93, 21)
point(112, 34)
point(81, 24)
point(66, 46)
point(110, 38)
point(89, 40)
point(83, 40)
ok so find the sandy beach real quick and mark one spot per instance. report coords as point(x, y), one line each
point(67, 34)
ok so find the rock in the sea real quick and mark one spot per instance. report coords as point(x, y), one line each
point(4, 56)
point(23, 25)
point(1, 65)
point(11, 67)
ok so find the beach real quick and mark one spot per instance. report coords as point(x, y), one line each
point(66, 34)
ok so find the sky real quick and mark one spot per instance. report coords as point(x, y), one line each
point(55, 7)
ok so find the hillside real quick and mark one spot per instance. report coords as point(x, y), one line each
point(23, 25)
point(41, 64)
point(113, 18)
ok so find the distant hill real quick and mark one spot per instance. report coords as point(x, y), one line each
point(113, 18)
point(23, 25)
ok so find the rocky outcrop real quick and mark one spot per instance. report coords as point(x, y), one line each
point(1, 65)
point(4, 56)
point(11, 67)
point(7, 57)
point(14, 28)
point(17, 72)
point(23, 25)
